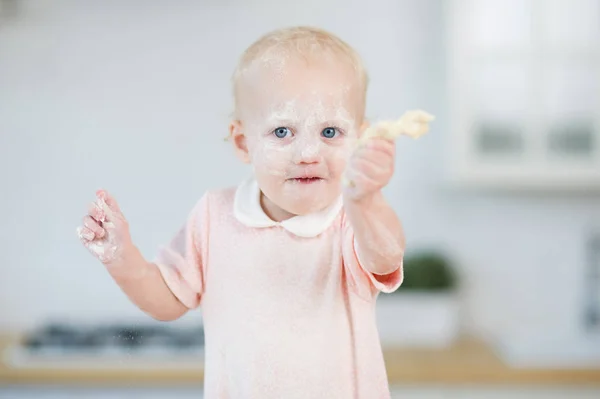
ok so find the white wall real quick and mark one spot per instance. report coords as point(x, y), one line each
point(133, 96)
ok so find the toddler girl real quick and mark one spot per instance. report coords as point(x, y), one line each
point(288, 265)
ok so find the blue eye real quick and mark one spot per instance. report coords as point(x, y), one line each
point(282, 132)
point(329, 132)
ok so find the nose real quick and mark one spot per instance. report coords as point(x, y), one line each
point(307, 149)
point(307, 153)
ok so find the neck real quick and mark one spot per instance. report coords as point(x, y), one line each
point(273, 211)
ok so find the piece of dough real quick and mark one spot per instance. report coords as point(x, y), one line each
point(414, 124)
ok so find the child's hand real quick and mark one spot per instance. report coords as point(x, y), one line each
point(370, 168)
point(105, 232)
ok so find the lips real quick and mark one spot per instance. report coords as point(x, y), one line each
point(308, 175)
point(306, 180)
point(305, 177)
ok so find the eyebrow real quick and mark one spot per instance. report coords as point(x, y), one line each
point(273, 120)
point(336, 122)
point(327, 122)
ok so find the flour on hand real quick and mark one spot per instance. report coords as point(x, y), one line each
point(106, 249)
point(414, 124)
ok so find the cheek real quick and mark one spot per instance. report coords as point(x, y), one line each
point(268, 157)
point(337, 159)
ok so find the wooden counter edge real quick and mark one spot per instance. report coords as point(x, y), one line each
point(468, 362)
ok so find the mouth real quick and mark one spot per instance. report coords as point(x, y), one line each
point(306, 180)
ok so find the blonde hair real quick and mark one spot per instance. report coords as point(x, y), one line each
point(302, 41)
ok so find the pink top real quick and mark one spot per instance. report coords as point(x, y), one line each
point(288, 310)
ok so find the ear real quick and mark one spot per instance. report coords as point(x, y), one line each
point(238, 138)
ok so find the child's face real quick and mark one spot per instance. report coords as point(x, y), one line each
point(298, 125)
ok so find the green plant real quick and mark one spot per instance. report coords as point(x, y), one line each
point(427, 271)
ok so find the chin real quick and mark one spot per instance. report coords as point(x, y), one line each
point(302, 198)
point(304, 206)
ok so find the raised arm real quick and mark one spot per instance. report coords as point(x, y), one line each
point(105, 233)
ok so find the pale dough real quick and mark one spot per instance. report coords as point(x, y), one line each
point(414, 124)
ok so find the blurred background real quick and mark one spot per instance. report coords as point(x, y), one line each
point(501, 198)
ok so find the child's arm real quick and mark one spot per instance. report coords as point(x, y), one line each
point(144, 285)
point(105, 233)
point(378, 231)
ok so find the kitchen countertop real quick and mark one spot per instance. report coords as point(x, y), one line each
point(467, 362)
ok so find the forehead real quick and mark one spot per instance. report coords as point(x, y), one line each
point(326, 84)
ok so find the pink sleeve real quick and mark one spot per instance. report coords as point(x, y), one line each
point(181, 262)
point(365, 283)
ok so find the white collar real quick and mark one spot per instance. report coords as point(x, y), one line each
point(248, 211)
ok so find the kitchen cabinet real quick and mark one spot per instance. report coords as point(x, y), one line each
point(524, 94)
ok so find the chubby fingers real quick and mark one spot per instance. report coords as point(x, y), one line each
point(91, 229)
point(96, 212)
point(85, 234)
point(376, 156)
point(379, 145)
point(109, 200)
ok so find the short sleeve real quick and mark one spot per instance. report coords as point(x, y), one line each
point(365, 283)
point(182, 261)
